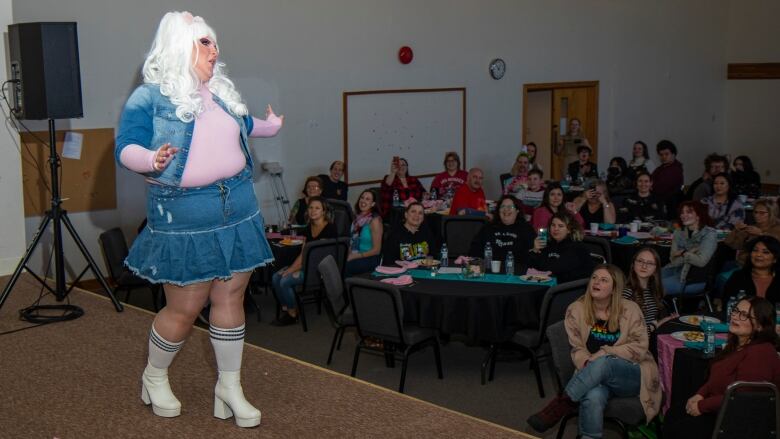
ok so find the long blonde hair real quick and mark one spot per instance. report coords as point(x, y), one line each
point(616, 297)
point(169, 64)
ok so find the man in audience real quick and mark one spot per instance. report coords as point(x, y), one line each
point(583, 168)
point(470, 198)
point(668, 177)
point(332, 186)
point(714, 164)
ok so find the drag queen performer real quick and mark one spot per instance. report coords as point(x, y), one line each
point(186, 129)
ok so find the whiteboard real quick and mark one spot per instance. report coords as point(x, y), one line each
point(420, 125)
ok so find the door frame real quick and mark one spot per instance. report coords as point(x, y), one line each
point(593, 138)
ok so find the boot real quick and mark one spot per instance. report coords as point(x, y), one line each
point(229, 401)
point(556, 410)
point(156, 390)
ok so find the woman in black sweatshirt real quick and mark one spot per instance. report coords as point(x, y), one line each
point(411, 240)
point(508, 231)
point(563, 253)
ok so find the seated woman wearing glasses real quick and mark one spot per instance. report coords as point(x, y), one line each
point(609, 350)
point(759, 276)
point(766, 223)
point(692, 247)
point(750, 355)
point(645, 288)
point(563, 253)
point(507, 232)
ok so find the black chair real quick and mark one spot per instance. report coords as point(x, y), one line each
point(502, 180)
point(114, 247)
point(311, 289)
point(749, 410)
point(624, 412)
point(378, 313)
point(533, 342)
point(342, 216)
point(338, 309)
point(459, 230)
point(599, 249)
point(698, 283)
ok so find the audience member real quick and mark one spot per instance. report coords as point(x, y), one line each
point(569, 143)
point(692, 247)
point(594, 206)
point(552, 202)
point(532, 195)
point(398, 181)
point(723, 206)
point(759, 275)
point(701, 188)
point(319, 226)
point(332, 186)
point(746, 180)
point(531, 149)
point(620, 179)
point(582, 168)
point(609, 348)
point(644, 287)
point(642, 205)
point(470, 198)
point(766, 223)
point(451, 179)
point(507, 232)
point(562, 252)
point(750, 355)
point(519, 174)
point(411, 240)
point(668, 177)
point(311, 188)
point(640, 158)
point(366, 232)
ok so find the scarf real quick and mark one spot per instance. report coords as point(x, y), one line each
point(357, 226)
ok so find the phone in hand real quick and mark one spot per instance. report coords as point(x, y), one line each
point(396, 160)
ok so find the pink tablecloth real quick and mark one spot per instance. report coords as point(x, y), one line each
point(666, 347)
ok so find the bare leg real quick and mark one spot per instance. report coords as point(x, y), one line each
point(227, 301)
point(174, 322)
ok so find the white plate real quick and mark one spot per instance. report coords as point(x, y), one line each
point(680, 335)
point(534, 278)
point(696, 320)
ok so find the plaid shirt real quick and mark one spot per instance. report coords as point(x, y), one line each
point(413, 190)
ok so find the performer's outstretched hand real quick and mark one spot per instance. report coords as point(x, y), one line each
point(270, 116)
point(164, 156)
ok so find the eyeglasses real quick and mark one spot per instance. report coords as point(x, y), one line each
point(760, 212)
point(511, 207)
point(644, 263)
point(740, 315)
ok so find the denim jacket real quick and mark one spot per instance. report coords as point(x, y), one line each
point(149, 120)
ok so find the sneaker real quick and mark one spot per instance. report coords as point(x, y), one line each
point(559, 407)
point(285, 320)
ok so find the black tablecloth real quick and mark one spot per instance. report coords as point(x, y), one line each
point(481, 311)
point(690, 368)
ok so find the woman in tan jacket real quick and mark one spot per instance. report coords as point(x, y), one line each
point(609, 349)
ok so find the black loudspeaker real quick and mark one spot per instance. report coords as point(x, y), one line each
point(44, 59)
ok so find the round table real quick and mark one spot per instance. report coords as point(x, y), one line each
point(481, 311)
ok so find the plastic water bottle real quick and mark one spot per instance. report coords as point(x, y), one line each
point(488, 255)
point(396, 198)
point(444, 255)
point(510, 264)
point(433, 194)
point(709, 339)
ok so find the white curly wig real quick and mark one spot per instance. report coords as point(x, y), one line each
point(170, 65)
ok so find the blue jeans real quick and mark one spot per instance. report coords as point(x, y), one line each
point(670, 278)
point(362, 265)
point(284, 287)
point(592, 386)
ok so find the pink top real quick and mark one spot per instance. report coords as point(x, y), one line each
point(542, 215)
point(215, 152)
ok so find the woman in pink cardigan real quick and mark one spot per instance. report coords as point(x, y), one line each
point(552, 202)
point(609, 349)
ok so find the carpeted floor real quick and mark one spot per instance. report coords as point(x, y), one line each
point(81, 379)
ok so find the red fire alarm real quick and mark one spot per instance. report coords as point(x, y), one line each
point(405, 55)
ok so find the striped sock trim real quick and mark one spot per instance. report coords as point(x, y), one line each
point(162, 343)
point(222, 334)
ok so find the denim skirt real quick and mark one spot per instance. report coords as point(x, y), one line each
point(200, 234)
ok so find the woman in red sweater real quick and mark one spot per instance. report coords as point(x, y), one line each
point(749, 355)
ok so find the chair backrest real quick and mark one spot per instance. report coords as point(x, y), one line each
point(459, 231)
point(377, 309)
point(563, 366)
point(342, 216)
point(334, 287)
point(556, 300)
point(502, 180)
point(599, 247)
point(314, 252)
point(749, 410)
point(114, 247)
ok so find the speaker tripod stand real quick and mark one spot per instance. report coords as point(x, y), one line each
point(58, 217)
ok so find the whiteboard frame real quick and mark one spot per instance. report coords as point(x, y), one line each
point(345, 122)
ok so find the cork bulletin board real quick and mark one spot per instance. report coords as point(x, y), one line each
point(87, 184)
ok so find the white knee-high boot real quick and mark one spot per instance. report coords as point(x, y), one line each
point(229, 397)
point(155, 388)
